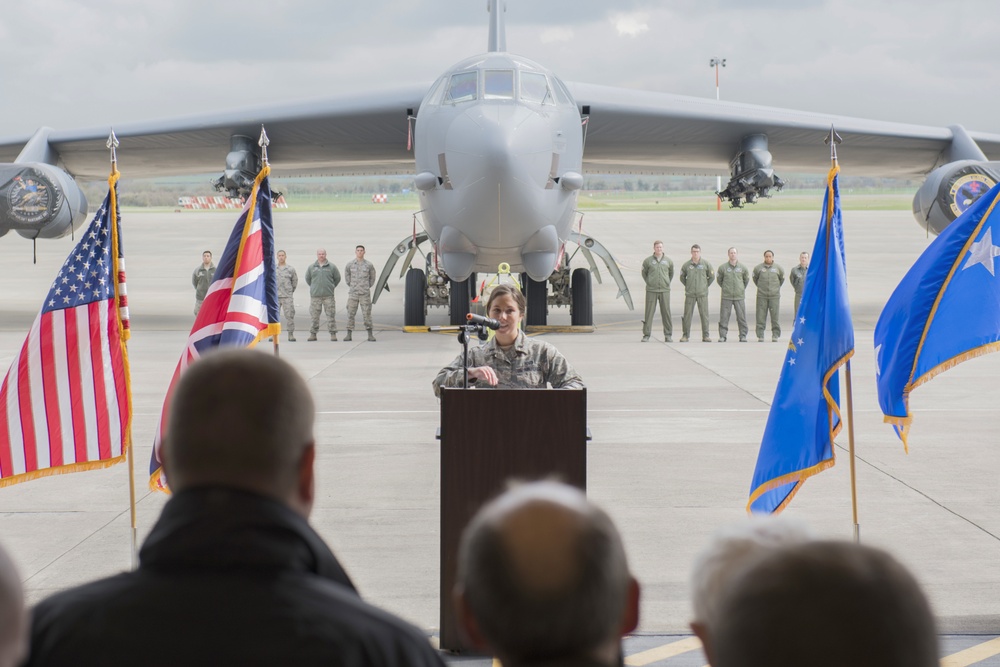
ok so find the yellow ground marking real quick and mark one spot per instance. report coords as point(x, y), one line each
point(663, 652)
point(973, 654)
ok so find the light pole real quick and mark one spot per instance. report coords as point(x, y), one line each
point(716, 63)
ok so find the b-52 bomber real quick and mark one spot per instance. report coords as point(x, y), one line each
point(498, 146)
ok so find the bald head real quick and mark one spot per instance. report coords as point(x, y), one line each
point(825, 604)
point(243, 419)
point(13, 616)
point(543, 573)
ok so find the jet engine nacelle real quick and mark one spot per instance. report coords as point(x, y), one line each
point(751, 173)
point(951, 189)
point(39, 201)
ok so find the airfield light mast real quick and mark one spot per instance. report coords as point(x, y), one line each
point(716, 62)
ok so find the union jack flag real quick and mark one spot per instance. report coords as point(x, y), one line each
point(66, 403)
point(241, 307)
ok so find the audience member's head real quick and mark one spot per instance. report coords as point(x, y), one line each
point(824, 604)
point(542, 574)
point(13, 616)
point(732, 546)
point(242, 419)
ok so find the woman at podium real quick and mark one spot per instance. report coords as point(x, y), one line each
point(510, 360)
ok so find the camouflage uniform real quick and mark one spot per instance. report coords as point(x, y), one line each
point(657, 273)
point(733, 281)
point(288, 280)
point(696, 278)
point(360, 278)
point(797, 277)
point(201, 279)
point(528, 364)
point(768, 280)
point(322, 279)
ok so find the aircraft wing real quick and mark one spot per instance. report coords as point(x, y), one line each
point(637, 131)
point(345, 135)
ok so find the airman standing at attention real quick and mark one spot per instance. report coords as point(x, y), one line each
point(288, 280)
point(797, 277)
point(202, 278)
point(359, 274)
point(657, 271)
point(733, 279)
point(696, 276)
point(768, 277)
point(322, 277)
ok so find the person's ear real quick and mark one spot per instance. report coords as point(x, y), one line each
point(701, 632)
point(467, 624)
point(630, 615)
point(305, 488)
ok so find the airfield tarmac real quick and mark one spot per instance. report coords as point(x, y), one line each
point(676, 427)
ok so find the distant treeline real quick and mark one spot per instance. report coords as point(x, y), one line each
point(147, 192)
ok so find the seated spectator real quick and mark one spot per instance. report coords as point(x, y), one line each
point(232, 573)
point(731, 547)
point(13, 616)
point(824, 604)
point(542, 577)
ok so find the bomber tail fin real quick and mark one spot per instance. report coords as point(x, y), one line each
point(498, 33)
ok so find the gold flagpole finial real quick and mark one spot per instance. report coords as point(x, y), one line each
point(832, 140)
point(112, 146)
point(263, 142)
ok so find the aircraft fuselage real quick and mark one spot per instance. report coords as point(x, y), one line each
point(498, 147)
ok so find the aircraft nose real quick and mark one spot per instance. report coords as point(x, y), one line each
point(500, 141)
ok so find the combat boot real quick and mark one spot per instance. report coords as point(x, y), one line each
point(312, 336)
point(371, 336)
point(347, 338)
point(291, 337)
point(333, 336)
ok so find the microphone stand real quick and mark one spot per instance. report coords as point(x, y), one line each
point(465, 332)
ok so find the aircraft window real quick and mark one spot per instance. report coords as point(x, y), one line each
point(499, 84)
point(438, 91)
point(463, 87)
point(561, 93)
point(534, 88)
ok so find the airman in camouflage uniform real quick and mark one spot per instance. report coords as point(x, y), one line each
point(528, 364)
point(768, 277)
point(322, 277)
point(733, 278)
point(202, 278)
point(288, 280)
point(657, 271)
point(797, 277)
point(696, 276)
point(359, 274)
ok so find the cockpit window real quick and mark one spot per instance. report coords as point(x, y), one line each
point(462, 87)
point(498, 84)
point(535, 88)
point(561, 93)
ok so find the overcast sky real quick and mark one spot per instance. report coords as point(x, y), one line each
point(81, 63)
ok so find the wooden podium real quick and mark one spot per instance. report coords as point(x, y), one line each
point(489, 436)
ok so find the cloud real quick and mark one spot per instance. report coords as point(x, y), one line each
point(556, 34)
point(631, 25)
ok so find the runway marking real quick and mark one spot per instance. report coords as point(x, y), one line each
point(973, 654)
point(663, 652)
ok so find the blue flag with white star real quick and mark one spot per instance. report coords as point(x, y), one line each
point(805, 412)
point(944, 311)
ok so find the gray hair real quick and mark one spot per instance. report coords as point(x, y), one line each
point(556, 589)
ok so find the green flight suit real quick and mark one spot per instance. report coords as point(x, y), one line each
point(696, 278)
point(768, 280)
point(733, 281)
point(657, 273)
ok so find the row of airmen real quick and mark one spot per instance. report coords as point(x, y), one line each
point(697, 274)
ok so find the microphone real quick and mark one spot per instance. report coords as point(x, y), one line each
point(488, 322)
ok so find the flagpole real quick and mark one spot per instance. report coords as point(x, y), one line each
point(263, 142)
point(833, 139)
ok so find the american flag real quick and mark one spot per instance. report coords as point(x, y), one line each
point(66, 403)
point(241, 307)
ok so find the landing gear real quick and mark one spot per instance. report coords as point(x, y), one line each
point(461, 294)
point(414, 310)
point(537, 293)
point(582, 306)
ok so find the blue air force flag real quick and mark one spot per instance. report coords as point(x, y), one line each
point(944, 311)
point(805, 412)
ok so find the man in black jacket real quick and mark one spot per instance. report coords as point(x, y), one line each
point(231, 573)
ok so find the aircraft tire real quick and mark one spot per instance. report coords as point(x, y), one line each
point(414, 309)
point(537, 293)
point(461, 295)
point(583, 298)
